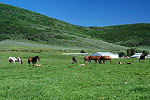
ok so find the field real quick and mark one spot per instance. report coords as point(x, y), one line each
point(56, 81)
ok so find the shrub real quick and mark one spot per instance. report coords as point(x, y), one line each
point(122, 54)
point(82, 51)
point(145, 52)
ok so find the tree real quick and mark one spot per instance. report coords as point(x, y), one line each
point(133, 51)
point(145, 52)
point(128, 52)
point(122, 54)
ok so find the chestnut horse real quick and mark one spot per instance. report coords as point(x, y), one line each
point(86, 58)
point(104, 58)
point(95, 58)
point(33, 60)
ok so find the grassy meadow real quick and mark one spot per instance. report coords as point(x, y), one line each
point(56, 81)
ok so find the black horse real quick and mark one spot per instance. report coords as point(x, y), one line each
point(74, 60)
point(142, 57)
point(33, 60)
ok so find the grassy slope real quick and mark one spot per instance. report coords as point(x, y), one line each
point(24, 24)
point(127, 35)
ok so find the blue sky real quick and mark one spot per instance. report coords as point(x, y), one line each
point(90, 12)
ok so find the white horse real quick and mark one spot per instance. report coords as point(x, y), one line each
point(15, 59)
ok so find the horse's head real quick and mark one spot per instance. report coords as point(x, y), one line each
point(37, 57)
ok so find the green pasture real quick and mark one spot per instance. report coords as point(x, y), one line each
point(55, 80)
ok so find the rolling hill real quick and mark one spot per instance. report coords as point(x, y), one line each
point(20, 24)
point(131, 35)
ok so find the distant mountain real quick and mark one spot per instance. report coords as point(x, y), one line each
point(20, 24)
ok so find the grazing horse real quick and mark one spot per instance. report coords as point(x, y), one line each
point(74, 60)
point(15, 59)
point(33, 60)
point(104, 58)
point(87, 59)
point(95, 58)
point(142, 57)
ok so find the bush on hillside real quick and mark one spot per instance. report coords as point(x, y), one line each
point(82, 51)
point(145, 52)
point(122, 54)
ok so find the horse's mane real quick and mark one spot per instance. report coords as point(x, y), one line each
point(36, 56)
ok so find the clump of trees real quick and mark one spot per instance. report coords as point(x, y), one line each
point(131, 51)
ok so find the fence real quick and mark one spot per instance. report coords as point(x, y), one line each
point(14, 50)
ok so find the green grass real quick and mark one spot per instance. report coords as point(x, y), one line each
point(56, 81)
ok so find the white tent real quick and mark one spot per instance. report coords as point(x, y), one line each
point(148, 56)
point(136, 55)
point(106, 54)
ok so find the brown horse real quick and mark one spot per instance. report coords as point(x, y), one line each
point(142, 57)
point(33, 60)
point(95, 58)
point(74, 60)
point(86, 58)
point(104, 58)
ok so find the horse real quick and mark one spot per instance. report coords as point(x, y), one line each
point(86, 58)
point(95, 58)
point(142, 57)
point(74, 60)
point(33, 60)
point(104, 58)
point(15, 59)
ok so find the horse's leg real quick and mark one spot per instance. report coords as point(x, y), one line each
point(28, 61)
point(99, 61)
point(104, 61)
point(84, 60)
point(33, 63)
point(110, 60)
point(21, 61)
point(76, 61)
point(14, 61)
point(10, 61)
point(89, 60)
point(96, 61)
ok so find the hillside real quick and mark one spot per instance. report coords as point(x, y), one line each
point(21, 24)
point(128, 35)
